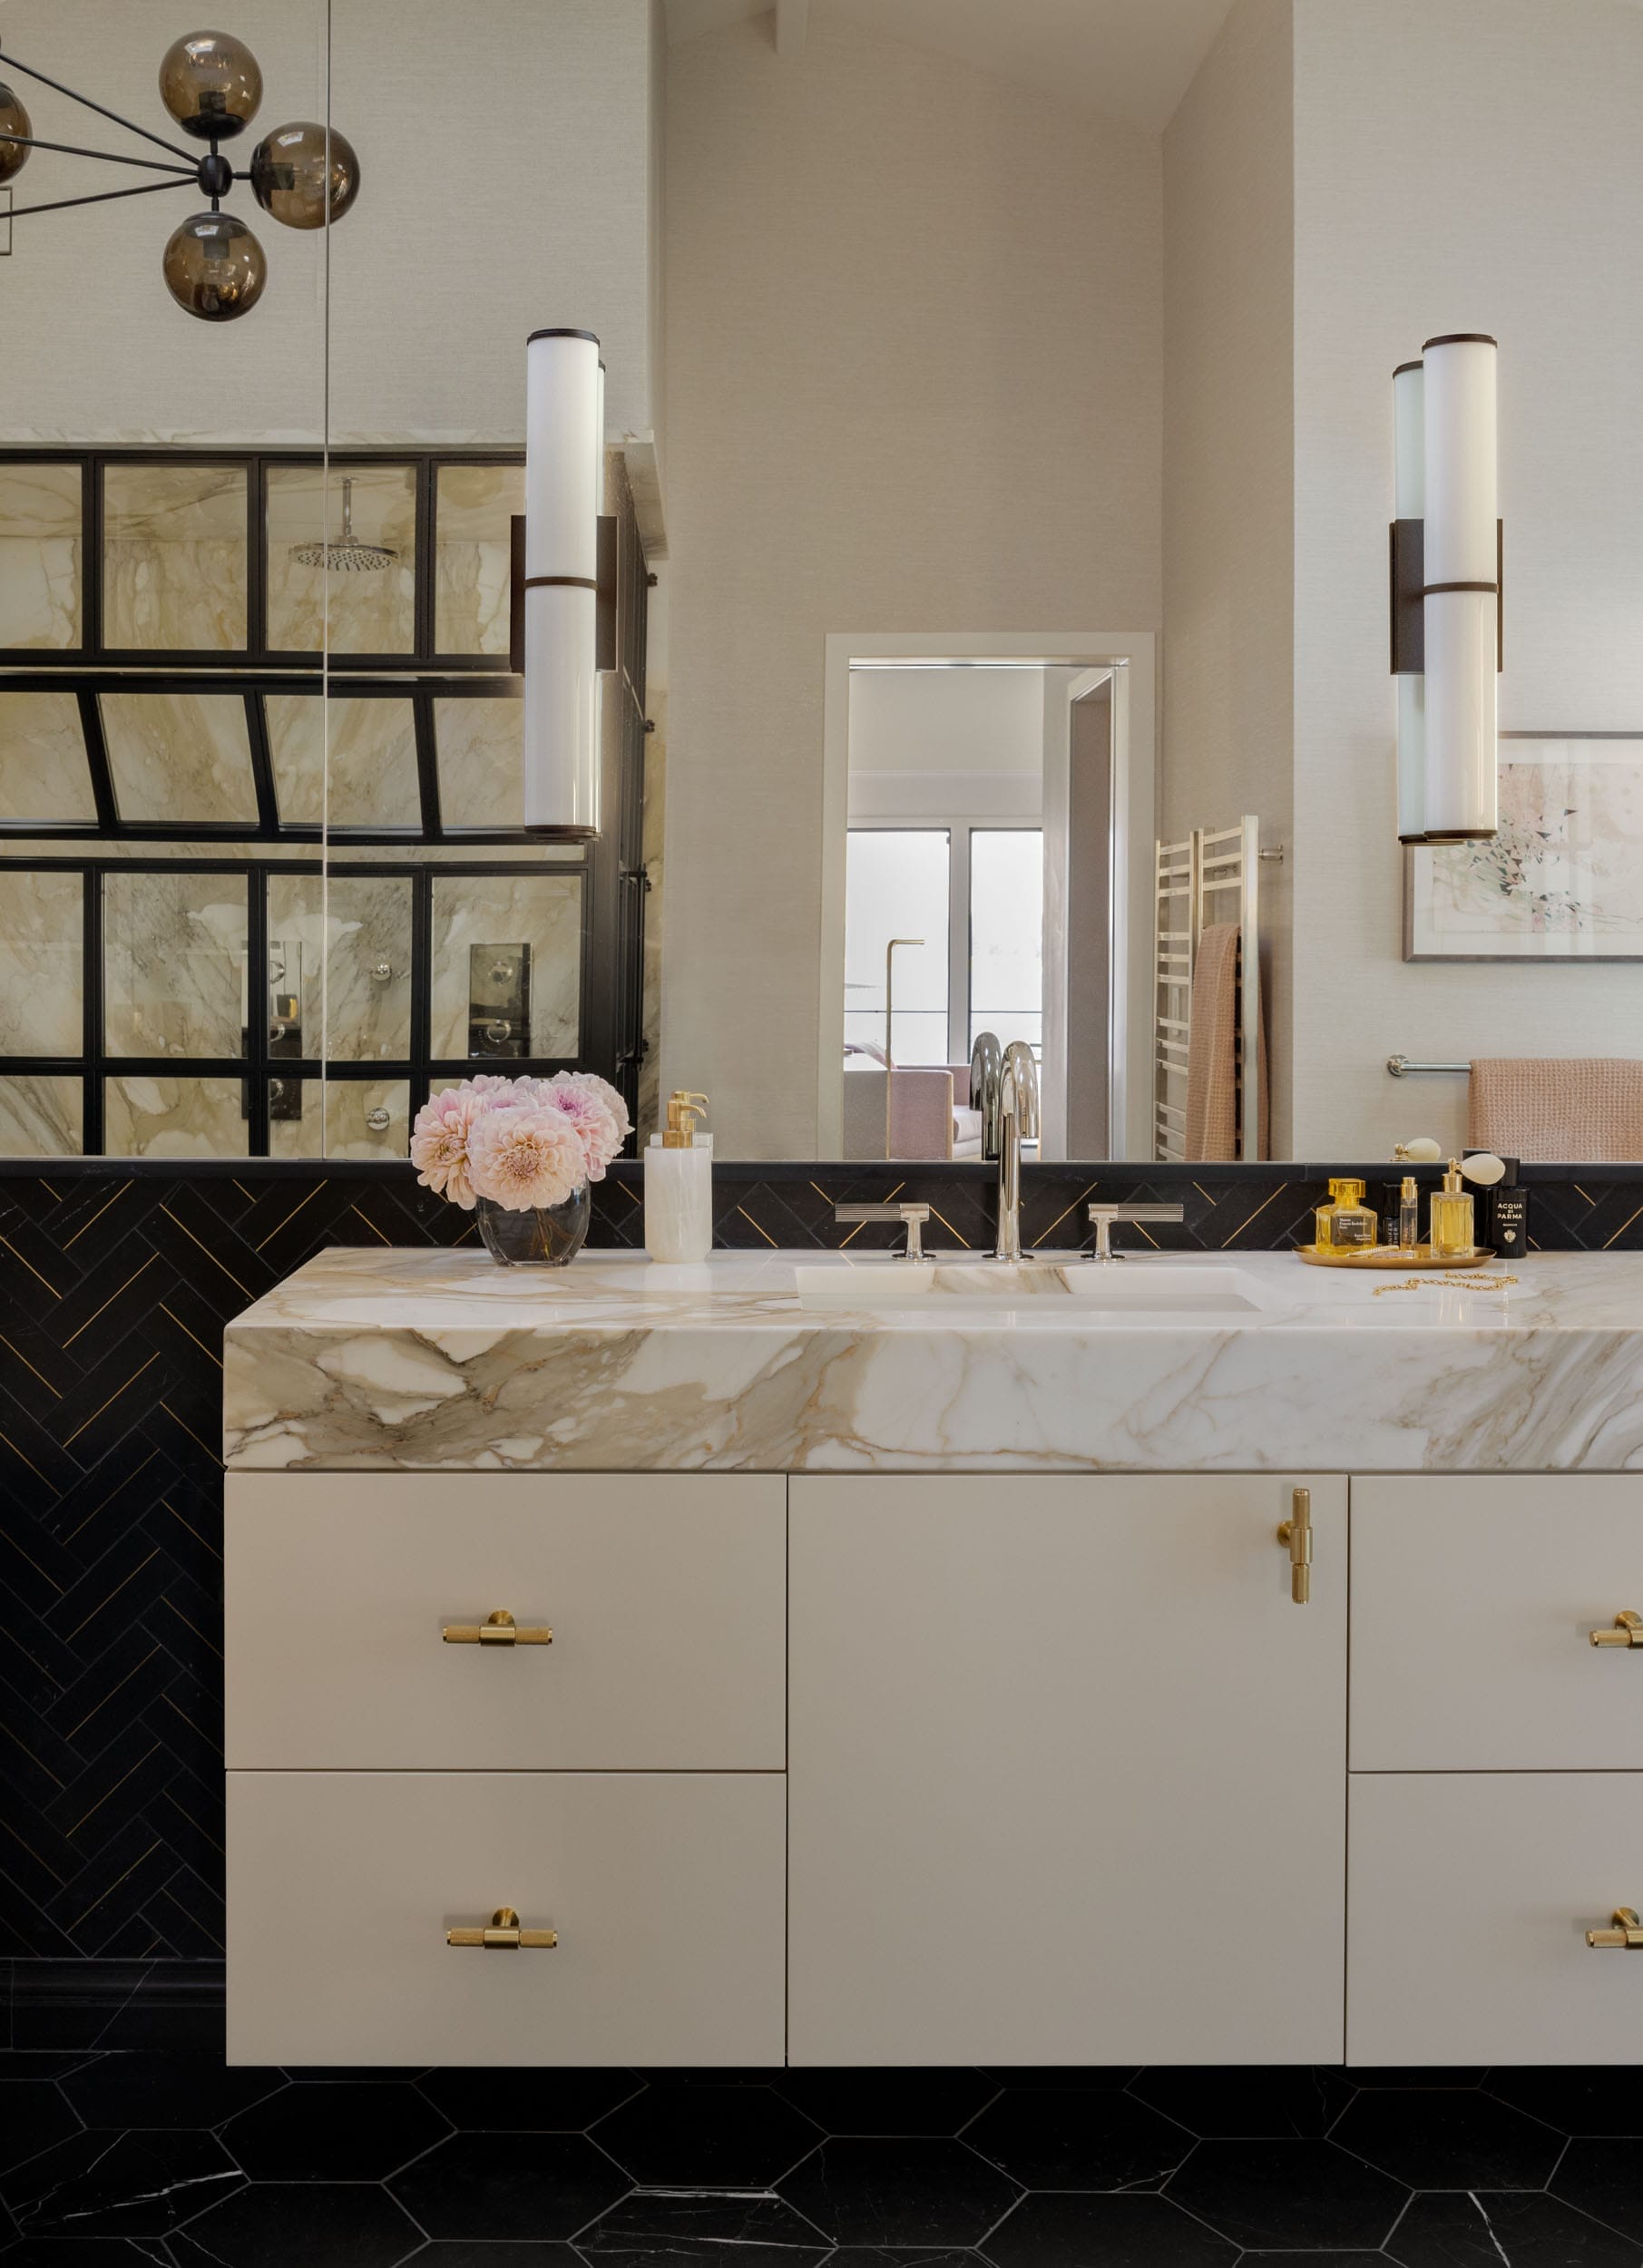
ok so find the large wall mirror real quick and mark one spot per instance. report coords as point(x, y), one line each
point(1000, 447)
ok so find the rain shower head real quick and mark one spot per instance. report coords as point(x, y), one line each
point(347, 556)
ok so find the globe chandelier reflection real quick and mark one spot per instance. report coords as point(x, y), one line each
point(302, 175)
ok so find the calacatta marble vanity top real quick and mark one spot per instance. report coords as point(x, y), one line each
point(1246, 1360)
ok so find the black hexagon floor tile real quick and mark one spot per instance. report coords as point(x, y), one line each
point(892, 2190)
point(1575, 2100)
point(465, 2252)
point(141, 2089)
point(699, 2136)
point(80, 2251)
point(525, 2101)
point(1287, 2196)
point(1482, 2229)
point(902, 2256)
point(1603, 2179)
point(514, 2185)
point(32, 2115)
point(889, 2101)
point(1078, 2138)
point(300, 2225)
point(751, 2228)
point(1449, 2138)
point(1047, 2231)
point(1232, 2104)
point(349, 2130)
point(135, 2185)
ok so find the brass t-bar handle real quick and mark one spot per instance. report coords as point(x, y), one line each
point(497, 1629)
point(503, 1935)
point(1296, 1532)
point(1627, 1630)
point(1626, 1935)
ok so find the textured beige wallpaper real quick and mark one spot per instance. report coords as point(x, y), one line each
point(1228, 471)
point(914, 350)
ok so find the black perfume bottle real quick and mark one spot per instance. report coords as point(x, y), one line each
point(1509, 1215)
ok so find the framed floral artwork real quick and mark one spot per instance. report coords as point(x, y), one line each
point(1564, 878)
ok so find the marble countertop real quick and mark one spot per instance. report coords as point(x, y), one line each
point(432, 1360)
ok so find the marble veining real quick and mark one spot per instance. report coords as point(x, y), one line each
point(481, 759)
point(175, 1118)
point(370, 747)
point(40, 1117)
point(440, 1359)
point(180, 755)
point(369, 612)
point(174, 565)
point(472, 556)
point(42, 953)
point(338, 1117)
point(543, 911)
point(40, 561)
point(174, 948)
point(43, 775)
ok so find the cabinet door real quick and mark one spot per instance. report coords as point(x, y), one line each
point(1067, 1772)
point(1474, 1601)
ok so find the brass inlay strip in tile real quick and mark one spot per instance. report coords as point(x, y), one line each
point(214, 1455)
point(118, 1587)
point(290, 1216)
point(140, 1860)
point(108, 1697)
point(1259, 1209)
point(22, 1358)
point(33, 1270)
point(753, 1224)
point(96, 1216)
point(107, 1792)
point(210, 1254)
point(198, 1342)
point(114, 1397)
point(109, 1302)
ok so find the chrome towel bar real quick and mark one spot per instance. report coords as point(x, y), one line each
point(1400, 1066)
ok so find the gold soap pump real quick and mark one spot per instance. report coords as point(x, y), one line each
point(678, 1186)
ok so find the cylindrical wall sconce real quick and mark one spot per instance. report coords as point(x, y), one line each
point(564, 455)
point(1446, 590)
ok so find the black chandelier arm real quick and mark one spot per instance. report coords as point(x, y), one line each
point(57, 86)
point(109, 157)
point(104, 196)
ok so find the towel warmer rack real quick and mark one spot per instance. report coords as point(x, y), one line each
point(1213, 873)
point(1401, 1066)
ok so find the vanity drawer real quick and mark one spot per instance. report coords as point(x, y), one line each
point(666, 1594)
point(666, 1892)
point(1471, 1894)
point(1472, 1604)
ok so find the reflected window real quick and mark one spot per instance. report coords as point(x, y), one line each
point(358, 932)
point(181, 757)
point(472, 538)
point(41, 1117)
point(174, 956)
point(175, 1118)
point(1007, 934)
point(346, 1118)
point(507, 967)
point(481, 744)
point(896, 885)
point(45, 776)
point(40, 556)
point(372, 754)
point(42, 960)
point(175, 557)
point(362, 518)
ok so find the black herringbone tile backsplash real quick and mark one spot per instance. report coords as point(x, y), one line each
point(114, 1288)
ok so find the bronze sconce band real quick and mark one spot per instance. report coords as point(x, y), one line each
point(602, 584)
point(1409, 587)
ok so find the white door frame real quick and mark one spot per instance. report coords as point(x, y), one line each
point(1132, 657)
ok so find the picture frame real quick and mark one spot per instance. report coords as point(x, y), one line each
point(1562, 881)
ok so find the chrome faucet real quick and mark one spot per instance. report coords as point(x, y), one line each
point(1017, 1122)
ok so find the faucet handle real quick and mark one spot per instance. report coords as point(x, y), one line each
point(1104, 1217)
point(912, 1218)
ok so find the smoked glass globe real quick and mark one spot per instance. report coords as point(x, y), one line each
point(14, 119)
point(215, 267)
point(211, 84)
point(289, 173)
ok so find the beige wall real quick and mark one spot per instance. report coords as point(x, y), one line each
point(1229, 486)
point(914, 352)
point(1460, 165)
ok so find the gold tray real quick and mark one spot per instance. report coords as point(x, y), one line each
point(1390, 1256)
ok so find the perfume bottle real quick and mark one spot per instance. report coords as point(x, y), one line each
point(1409, 1214)
point(1346, 1224)
point(1508, 1216)
point(1451, 1230)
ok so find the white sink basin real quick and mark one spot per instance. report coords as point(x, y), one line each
point(1121, 1289)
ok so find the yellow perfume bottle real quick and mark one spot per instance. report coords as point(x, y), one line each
point(1346, 1224)
point(1449, 1231)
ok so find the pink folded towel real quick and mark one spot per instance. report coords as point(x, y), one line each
point(1584, 1109)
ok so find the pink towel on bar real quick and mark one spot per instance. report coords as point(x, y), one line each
point(1584, 1109)
point(1212, 1043)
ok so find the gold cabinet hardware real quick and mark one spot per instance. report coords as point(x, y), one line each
point(497, 1629)
point(1296, 1532)
point(503, 1935)
point(1626, 1936)
point(1627, 1630)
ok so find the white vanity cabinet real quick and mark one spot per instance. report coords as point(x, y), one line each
point(1066, 1770)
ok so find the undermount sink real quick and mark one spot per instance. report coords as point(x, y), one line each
point(1119, 1288)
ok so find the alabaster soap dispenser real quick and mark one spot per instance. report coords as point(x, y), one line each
point(678, 1186)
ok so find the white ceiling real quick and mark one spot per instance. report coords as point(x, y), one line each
point(1127, 59)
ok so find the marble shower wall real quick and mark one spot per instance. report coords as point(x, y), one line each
point(364, 925)
point(175, 561)
point(174, 960)
point(41, 1115)
point(481, 759)
point(366, 611)
point(42, 963)
point(45, 776)
point(41, 566)
point(372, 753)
point(356, 1118)
point(471, 561)
point(175, 1118)
point(543, 911)
point(180, 756)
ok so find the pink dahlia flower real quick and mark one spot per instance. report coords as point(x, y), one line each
point(529, 1155)
point(601, 1091)
point(441, 1137)
point(600, 1135)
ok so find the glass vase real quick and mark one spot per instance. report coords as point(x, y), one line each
point(547, 1236)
